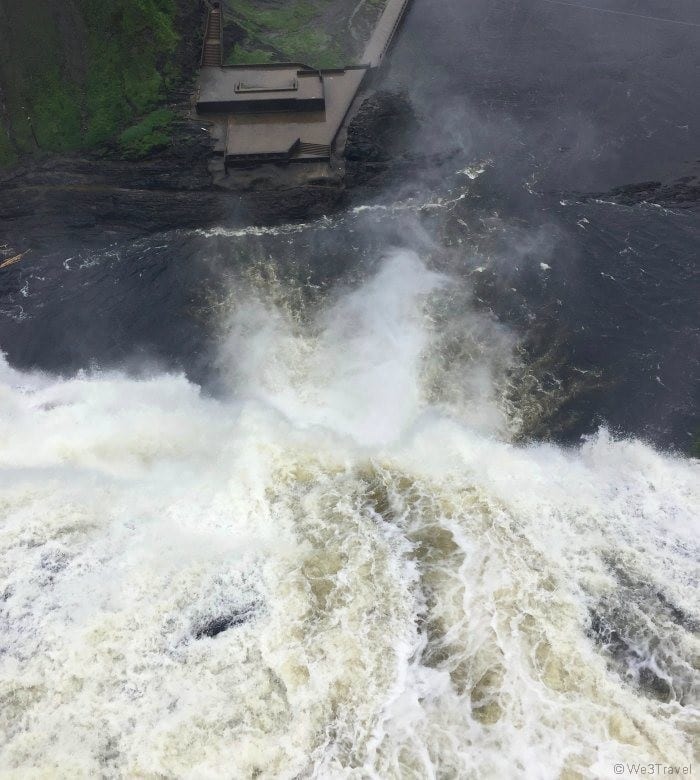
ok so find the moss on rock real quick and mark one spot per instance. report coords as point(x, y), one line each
point(79, 71)
point(147, 136)
point(320, 33)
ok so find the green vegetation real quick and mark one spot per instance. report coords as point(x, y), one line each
point(90, 74)
point(241, 56)
point(312, 48)
point(290, 31)
point(150, 134)
point(80, 71)
point(125, 79)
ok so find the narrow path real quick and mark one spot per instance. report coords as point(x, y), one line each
point(212, 49)
point(384, 32)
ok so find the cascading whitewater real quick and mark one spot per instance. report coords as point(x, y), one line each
point(346, 569)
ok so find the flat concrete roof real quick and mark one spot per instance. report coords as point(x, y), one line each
point(266, 133)
point(270, 89)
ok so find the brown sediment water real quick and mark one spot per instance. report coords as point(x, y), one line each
point(330, 572)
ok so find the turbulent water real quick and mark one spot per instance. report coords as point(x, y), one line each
point(342, 565)
point(284, 502)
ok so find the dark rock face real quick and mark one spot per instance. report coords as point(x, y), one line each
point(383, 153)
point(642, 634)
point(679, 192)
point(221, 623)
point(628, 660)
point(290, 204)
point(378, 140)
point(92, 200)
point(378, 130)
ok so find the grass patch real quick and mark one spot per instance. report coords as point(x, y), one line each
point(56, 114)
point(291, 17)
point(150, 134)
point(77, 84)
point(241, 56)
point(130, 42)
point(291, 30)
point(311, 47)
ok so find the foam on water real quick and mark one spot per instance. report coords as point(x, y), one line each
point(346, 569)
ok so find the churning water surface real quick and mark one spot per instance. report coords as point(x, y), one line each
point(342, 566)
point(285, 502)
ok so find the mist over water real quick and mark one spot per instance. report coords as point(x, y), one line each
point(289, 501)
point(342, 566)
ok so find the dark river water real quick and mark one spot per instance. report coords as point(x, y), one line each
point(557, 103)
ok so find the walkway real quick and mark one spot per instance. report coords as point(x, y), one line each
point(389, 22)
point(212, 49)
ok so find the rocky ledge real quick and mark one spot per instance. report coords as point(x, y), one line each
point(96, 199)
point(677, 191)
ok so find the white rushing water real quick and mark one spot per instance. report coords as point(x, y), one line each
point(346, 569)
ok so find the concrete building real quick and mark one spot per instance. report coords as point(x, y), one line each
point(286, 112)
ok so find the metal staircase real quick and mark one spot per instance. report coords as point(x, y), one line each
point(319, 151)
point(213, 43)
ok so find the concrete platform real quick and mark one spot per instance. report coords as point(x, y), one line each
point(384, 32)
point(293, 135)
point(259, 89)
point(287, 112)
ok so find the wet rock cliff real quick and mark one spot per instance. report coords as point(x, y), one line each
point(94, 197)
